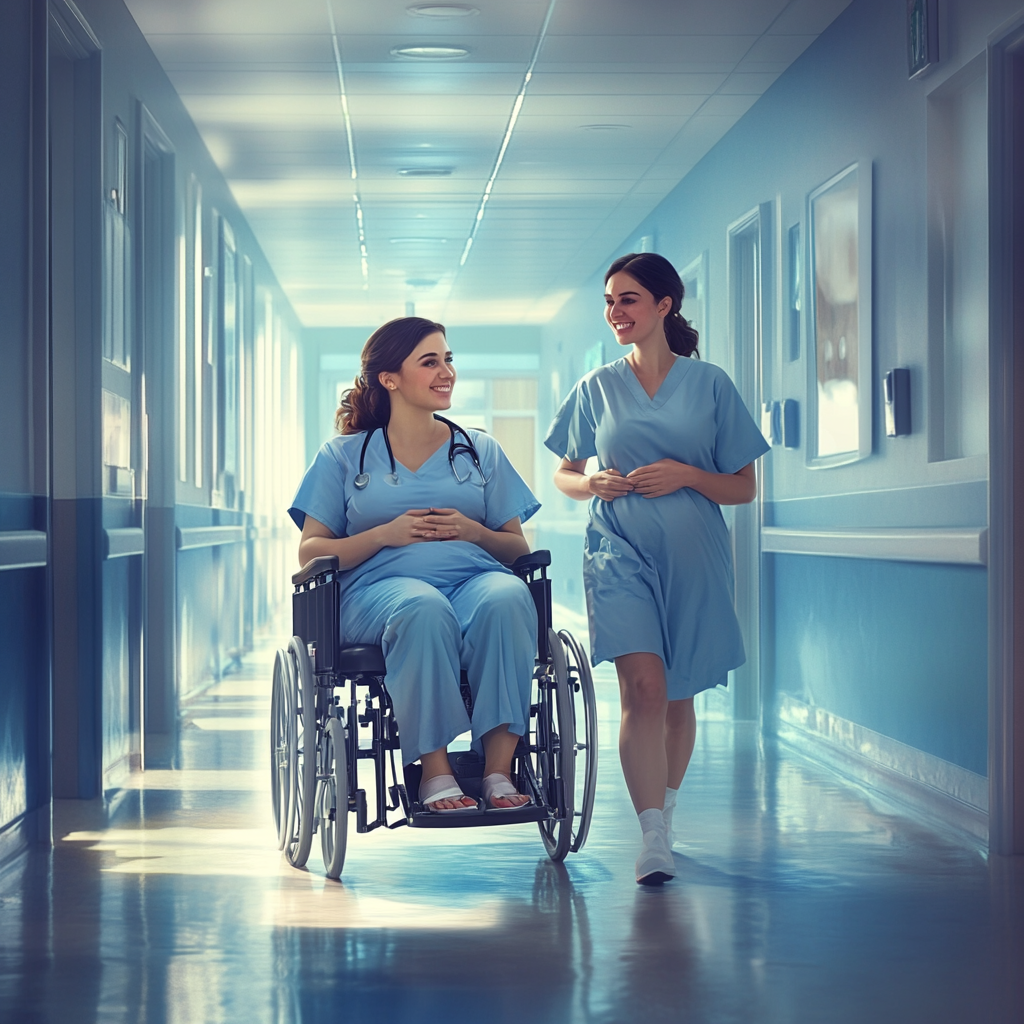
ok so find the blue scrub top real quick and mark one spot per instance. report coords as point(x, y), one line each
point(658, 571)
point(328, 494)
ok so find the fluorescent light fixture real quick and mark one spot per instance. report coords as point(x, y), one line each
point(418, 241)
point(513, 117)
point(430, 52)
point(442, 10)
point(604, 127)
point(425, 172)
point(420, 282)
point(364, 259)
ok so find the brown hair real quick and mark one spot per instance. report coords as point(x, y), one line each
point(367, 404)
point(660, 278)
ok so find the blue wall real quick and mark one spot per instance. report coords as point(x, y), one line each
point(899, 648)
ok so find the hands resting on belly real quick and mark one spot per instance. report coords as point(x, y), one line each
point(426, 524)
point(653, 481)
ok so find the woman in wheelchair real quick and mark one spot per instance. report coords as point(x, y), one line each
point(421, 515)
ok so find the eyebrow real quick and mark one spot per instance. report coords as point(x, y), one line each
point(433, 355)
point(608, 295)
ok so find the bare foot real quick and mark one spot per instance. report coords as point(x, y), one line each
point(499, 792)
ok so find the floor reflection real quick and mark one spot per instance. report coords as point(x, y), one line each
point(798, 899)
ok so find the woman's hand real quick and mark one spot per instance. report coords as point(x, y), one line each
point(660, 478)
point(609, 484)
point(407, 528)
point(450, 524)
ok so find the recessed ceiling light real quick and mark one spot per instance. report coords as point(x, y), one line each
point(430, 52)
point(420, 282)
point(442, 10)
point(425, 172)
point(604, 127)
point(417, 241)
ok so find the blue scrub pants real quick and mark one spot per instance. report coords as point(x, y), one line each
point(486, 624)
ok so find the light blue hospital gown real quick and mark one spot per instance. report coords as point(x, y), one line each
point(658, 572)
point(439, 606)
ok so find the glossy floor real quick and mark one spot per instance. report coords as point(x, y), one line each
point(798, 899)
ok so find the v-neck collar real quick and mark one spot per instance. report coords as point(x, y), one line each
point(665, 389)
point(414, 472)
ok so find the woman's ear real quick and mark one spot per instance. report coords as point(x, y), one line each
point(665, 306)
point(386, 381)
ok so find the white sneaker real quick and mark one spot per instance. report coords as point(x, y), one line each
point(655, 864)
point(670, 835)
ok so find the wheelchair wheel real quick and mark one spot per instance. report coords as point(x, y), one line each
point(584, 704)
point(303, 757)
point(282, 725)
point(332, 798)
point(556, 753)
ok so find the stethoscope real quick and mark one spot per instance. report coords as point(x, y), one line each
point(362, 478)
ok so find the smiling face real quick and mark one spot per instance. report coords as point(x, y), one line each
point(632, 312)
point(427, 376)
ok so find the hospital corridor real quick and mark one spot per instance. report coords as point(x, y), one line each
point(511, 510)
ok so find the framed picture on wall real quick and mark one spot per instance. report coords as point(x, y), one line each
point(839, 337)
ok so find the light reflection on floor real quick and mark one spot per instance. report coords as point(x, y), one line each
point(798, 899)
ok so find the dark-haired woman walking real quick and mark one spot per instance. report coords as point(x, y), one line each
point(674, 442)
point(397, 479)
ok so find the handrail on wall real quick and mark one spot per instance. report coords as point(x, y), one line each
point(22, 549)
point(190, 537)
point(952, 546)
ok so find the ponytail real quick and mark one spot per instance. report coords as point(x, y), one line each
point(367, 405)
point(662, 280)
point(364, 406)
point(681, 335)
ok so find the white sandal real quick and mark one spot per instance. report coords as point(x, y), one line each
point(498, 785)
point(443, 787)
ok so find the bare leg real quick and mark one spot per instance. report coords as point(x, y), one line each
point(436, 763)
point(680, 735)
point(642, 731)
point(499, 746)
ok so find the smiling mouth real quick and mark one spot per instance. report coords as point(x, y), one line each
point(444, 389)
point(624, 325)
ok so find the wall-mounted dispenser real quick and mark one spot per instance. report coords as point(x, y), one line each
point(896, 392)
point(780, 423)
point(789, 420)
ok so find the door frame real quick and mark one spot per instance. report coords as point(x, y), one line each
point(757, 226)
point(157, 316)
point(1006, 441)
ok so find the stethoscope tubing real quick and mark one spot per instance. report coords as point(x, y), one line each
point(362, 478)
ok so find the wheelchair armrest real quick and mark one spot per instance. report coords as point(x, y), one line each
point(524, 565)
point(318, 566)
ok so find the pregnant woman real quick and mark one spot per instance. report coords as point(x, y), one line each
point(422, 516)
point(673, 442)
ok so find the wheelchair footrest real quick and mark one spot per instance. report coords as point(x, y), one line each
point(471, 819)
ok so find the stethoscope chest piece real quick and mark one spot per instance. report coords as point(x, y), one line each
point(361, 480)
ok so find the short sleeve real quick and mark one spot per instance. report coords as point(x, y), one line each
point(322, 493)
point(506, 495)
point(572, 431)
point(738, 440)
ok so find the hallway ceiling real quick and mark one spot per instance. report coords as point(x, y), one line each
point(624, 99)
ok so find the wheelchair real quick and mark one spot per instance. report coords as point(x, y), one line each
point(331, 715)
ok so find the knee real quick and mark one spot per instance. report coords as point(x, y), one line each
point(424, 608)
point(643, 694)
point(508, 599)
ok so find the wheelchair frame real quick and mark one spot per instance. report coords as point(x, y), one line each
point(318, 736)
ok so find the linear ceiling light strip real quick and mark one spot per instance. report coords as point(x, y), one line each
point(353, 171)
point(513, 117)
